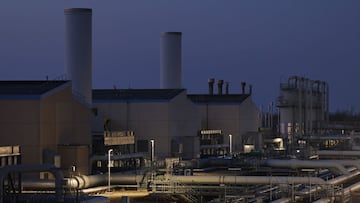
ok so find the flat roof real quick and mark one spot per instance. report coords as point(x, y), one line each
point(30, 87)
point(135, 94)
point(220, 99)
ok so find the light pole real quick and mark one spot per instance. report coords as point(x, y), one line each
point(152, 142)
point(230, 144)
point(109, 165)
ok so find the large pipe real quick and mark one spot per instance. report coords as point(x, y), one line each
point(342, 193)
point(344, 178)
point(6, 170)
point(82, 182)
point(78, 56)
point(170, 60)
point(355, 163)
point(246, 180)
point(333, 165)
point(334, 181)
point(337, 153)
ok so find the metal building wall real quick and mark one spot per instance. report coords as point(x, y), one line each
point(163, 121)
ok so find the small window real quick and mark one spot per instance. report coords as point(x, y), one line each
point(98, 164)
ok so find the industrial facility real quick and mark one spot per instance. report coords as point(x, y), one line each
point(64, 141)
point(304, 110)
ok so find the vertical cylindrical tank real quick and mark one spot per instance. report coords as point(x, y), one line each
point(170, 60)
point(78, 51)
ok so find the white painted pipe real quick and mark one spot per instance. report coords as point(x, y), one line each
point(337, 153)
point(334, 165)
point(82, 182)
point(243, 180)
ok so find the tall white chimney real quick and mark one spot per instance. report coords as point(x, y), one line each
point(170, 60)
point(78, 51)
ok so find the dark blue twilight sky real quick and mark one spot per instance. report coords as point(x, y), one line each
point(260, 42)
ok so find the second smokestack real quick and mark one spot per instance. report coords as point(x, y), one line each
point(170, 60)
point(78, 46)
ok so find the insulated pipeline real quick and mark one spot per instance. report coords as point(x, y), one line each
point(240, 180)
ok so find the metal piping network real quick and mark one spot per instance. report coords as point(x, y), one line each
point(338, 165)
point(346, 192)
point(337, 153)
point(6, 170)
point(335, 181)
point(98, 180)
point(83, 182)
point(246, 180)
point(92, 181)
